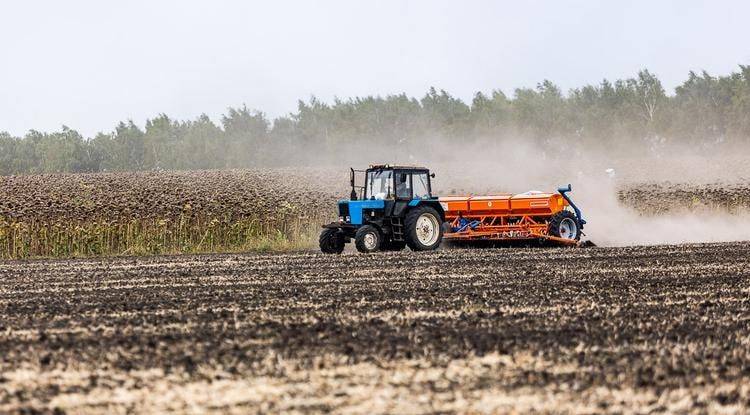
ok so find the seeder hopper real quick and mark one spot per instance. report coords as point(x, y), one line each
point(507, 217)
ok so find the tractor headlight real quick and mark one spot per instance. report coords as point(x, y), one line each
point(341, 219)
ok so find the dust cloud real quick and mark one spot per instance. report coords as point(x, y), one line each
point(611, 223)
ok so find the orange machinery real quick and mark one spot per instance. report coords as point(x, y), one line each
point(508, 217)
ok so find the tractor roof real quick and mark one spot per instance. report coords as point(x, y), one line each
point(397, 167)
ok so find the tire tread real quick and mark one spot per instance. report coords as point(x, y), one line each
point(330, 242)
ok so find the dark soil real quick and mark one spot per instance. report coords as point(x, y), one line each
point(642, 329)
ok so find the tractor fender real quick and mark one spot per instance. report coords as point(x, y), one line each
point(433, 203)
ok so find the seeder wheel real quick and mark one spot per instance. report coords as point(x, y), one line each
point(564, 225)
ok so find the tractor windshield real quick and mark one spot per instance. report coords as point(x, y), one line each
point(379, 184)
point(421, 185)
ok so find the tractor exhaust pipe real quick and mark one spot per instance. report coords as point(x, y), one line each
point(353, 195)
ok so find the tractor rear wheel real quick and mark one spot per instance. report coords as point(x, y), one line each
point(368, 239)
point(331, 241)
point(564, 224)
point(423, 229)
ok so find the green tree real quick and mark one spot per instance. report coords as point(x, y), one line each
point(246, 137)
point(490, 116)
point(128, 148)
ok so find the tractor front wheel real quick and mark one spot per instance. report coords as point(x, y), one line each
point(331, 241)
point(367, 239)
point(423, 229)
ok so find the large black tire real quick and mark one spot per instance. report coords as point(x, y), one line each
point(423, 216)
point(564, 224)
point(392, 245)
point(368, 239)
point(331, 241)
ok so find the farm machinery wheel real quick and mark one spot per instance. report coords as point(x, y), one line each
point(331, 241)
point(368, 239)
point(423, 229)
point(564, 224)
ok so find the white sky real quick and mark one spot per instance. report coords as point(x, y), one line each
point(90, 64)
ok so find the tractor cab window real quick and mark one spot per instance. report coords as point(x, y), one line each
point(379, 184)
point(421, 185)
point(403, 185)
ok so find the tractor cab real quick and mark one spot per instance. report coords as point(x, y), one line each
point(397, 182)
point(392, 208)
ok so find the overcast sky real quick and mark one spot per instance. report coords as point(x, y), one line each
point(90, 64)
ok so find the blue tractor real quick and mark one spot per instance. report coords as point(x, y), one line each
point(394, 208)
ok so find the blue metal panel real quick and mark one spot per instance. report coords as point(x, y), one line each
point(357, 206)
point(414, 202)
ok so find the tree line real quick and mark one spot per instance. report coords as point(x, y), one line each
point(635, 114)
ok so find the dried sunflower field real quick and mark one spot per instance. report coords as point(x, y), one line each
point(64, 215)
point(666, 197)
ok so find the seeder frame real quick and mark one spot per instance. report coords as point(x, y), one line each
point(503, 227)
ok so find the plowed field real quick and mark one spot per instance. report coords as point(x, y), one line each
point(641, 329)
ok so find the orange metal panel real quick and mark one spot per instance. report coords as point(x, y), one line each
point(541, 204)
point(455, 204)
point(490, 205)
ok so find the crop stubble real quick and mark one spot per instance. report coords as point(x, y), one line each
point(665, 197)
point(597, 330)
